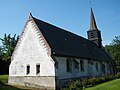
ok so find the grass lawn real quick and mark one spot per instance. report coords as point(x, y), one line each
point(111, 85)
point(4, 86)
point(4, 78)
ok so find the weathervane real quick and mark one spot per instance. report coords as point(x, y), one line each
point(90, 3)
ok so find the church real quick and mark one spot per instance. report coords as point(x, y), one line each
point(49, 57)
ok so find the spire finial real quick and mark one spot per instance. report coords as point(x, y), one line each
point(30, 15)
point(90, 3)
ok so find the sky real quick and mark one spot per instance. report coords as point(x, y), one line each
point(71, 15)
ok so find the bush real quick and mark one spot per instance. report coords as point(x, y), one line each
point(117, 75)
point(75, 85)
point(88, 82)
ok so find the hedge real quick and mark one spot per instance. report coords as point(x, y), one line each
point(81, 84)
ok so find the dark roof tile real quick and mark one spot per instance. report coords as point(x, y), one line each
point(65, 43)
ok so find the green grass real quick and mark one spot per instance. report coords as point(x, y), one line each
point(4, 86)
point(111, 85)
point(4, 78)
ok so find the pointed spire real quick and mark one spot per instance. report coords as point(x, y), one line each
point(93, 25)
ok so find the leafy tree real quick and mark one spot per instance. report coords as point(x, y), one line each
point(0, 53)
point(114, 50)
point(116, 41)
point(8, 45)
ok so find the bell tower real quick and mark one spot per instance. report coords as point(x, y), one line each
point(93, 33)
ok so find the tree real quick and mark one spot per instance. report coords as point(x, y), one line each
point(8, 45)
point(116, 41)
point(0, 53)
point(114, 50)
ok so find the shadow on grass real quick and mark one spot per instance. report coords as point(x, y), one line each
point(8, 87)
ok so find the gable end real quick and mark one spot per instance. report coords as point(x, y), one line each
point(39, 34)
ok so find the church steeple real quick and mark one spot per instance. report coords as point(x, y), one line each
point(93, 25)
point(94, 34)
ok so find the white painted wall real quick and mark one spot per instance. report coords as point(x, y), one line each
point(89, 70)
point(62, 73)
point(31, 51)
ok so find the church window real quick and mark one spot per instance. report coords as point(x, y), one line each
point(92, 35)
point(103, 68)
point(96, 66)
point(37, 69)
point(69, 65)
point(28, 69)
point(76, 64)
point(82, 65)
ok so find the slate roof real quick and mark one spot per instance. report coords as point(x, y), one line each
point(65, 43)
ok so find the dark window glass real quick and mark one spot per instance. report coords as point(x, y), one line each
point(69, 65)
point(28, 69)
point(76, 65)
point(96, 66)
point(92, 35)
point(37, 69)
point(82, 65)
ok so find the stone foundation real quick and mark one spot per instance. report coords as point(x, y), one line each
point(48, 83)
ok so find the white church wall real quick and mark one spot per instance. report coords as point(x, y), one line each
point(62, 73)
point(89, 69)
point(31, 51)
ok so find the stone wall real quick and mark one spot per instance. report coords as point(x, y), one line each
point(33, 81)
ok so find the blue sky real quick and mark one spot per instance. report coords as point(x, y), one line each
point(72, 15)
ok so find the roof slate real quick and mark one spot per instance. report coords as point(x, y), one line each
point(65, 43)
